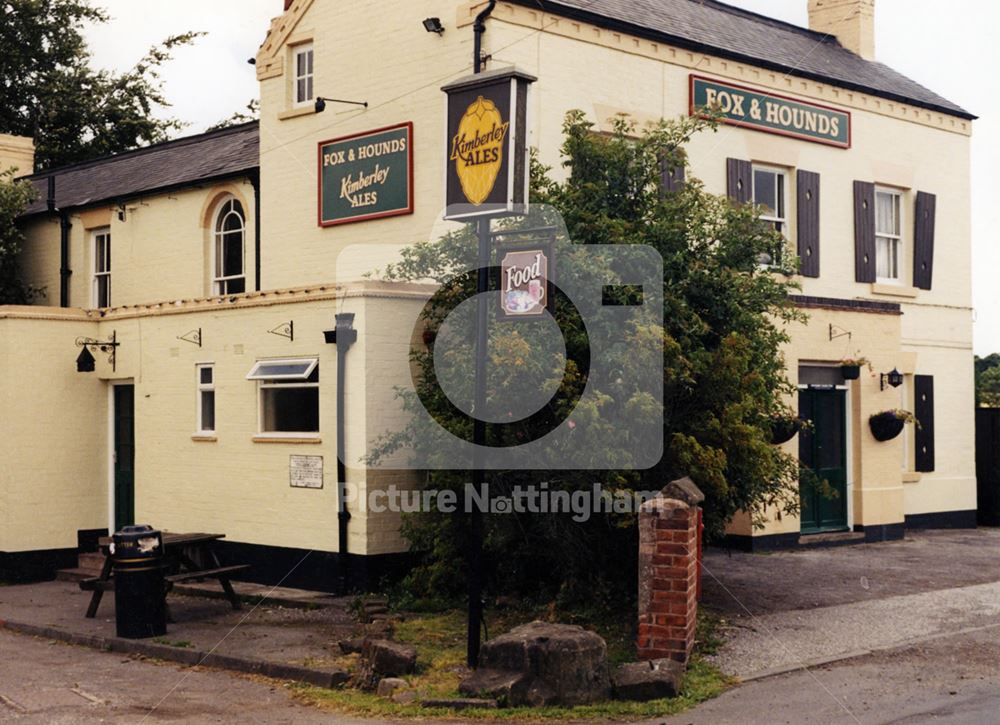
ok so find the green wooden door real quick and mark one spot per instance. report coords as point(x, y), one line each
point(823, 451)
point(124, 455)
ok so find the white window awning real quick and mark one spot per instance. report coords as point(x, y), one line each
point(283, 369)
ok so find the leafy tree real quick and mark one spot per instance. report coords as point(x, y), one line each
point(252, 113)
point(49, 91)
point(724, 320)
point(988, 386)
point(15, 196)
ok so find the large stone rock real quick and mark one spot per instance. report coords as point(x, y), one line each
point(540, 664)
point(650, 680)
point(384, 658)
point(388, 686)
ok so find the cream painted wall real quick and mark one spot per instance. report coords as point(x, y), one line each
point(236, 483)
point(349, 44)
point(51, 483)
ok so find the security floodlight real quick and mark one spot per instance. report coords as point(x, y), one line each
point(433, 25)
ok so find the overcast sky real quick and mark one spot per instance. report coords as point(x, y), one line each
point(948, 47)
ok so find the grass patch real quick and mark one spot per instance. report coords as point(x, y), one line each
point(440, 642)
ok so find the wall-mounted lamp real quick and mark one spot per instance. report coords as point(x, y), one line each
point(321, 103)
point(433, 25)
point(85, 360)
point(893, 378)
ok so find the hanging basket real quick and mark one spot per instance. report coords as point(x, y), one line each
point(784, 429)
point(850, 372)
point(886, 426)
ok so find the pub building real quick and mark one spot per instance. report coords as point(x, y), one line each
point(198, 283)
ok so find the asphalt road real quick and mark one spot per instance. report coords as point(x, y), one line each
point(953, 679)
point(49, 682)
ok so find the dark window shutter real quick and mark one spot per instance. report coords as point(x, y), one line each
point(671, 175)
point(923, 389)
point(739, 180)
point(923, 240)
point(864, 231)
point(807, 227)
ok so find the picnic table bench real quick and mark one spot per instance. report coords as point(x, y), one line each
point(189, 557)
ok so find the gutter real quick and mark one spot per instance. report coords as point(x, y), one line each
point(64, 226)
point(343, 335)
point(255, 183)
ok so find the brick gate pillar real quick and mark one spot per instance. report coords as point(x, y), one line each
point(668, 572)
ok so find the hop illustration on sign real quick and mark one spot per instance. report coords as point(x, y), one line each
point(477, 149)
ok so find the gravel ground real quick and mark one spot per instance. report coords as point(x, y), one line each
point(807, 578)
point(797, 607)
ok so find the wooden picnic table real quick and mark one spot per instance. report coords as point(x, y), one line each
point(189, 557)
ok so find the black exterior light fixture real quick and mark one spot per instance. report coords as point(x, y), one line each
point(321, 103)
point(433, 25)
point(894, 378)
point(85, 360)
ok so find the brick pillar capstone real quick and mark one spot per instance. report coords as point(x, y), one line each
point(668, 572)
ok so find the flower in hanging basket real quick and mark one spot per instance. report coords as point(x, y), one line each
point(850, 367)
point(784, 429)
point(889, 423)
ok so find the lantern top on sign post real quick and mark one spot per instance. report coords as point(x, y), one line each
point(488, 77)
point(486, 145)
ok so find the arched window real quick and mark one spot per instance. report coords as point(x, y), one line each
point(230, 231)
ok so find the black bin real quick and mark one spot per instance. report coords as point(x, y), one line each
point(140, 592)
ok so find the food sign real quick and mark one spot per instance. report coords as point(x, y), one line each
point(525, 281)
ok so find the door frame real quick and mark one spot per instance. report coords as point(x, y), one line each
point(849, 446)
point(112, 384)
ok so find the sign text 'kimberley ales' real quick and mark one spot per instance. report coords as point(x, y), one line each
point(766, 111)
point(366, 176)
point(477, 149)
point(487, 152)
point(525, 281)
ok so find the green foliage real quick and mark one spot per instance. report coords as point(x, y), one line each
point(15, 196)
point(988, 381)
point(49, 91)
point(252, 113)
point(724, 322)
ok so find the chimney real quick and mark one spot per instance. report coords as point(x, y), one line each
point(852, 22)
point(19, 152)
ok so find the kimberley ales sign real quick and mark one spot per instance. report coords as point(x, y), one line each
point(766, 111)
point(486, 145)
point(367, 175)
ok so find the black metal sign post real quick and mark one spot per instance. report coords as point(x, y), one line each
point(486, 176)
point(475, 574)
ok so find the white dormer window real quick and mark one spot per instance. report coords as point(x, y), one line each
point(303, 81)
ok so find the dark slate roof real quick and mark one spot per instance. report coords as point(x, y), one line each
point(719, 29)
point(184, 161)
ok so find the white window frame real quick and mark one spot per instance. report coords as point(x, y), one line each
point(890, 237)
point(98, 237)
point(780, 198)
point(220, 282)
point(284, 382)
point(307, 76)
point(202, 388)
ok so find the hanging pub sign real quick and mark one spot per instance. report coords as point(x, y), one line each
point(763, 110)
point(486, 152)
point(525, 280)
point(367, 175)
